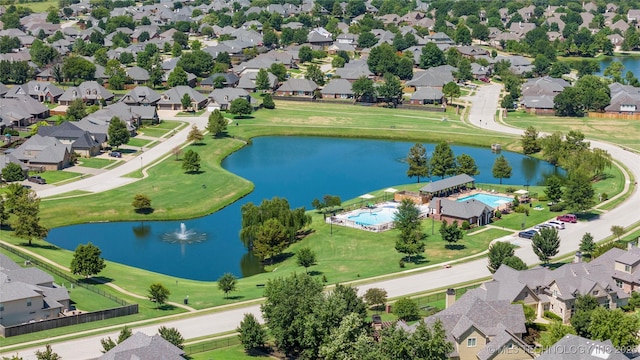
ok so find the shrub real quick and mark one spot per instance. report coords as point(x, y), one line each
point(557, 207)
point(549, 315)
point(498, 214)
point(510, 189)
point(604, 196)
point(465, 225)
point(543, 197)
point(522, 209)
point(406, 309)
point(401, 263)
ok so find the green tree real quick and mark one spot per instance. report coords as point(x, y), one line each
point(253, 217)
point(581, 319)
point(451, 90)
point(406, 309)
point(622, 334)
point(340, 340)
point(375, 297)
point(227, 283)
point(305, 54)
point(158, 293)
point(262, 80)
point(515, 263)
point(26, 224)
point(391, 89)
point(530, 142)
point(587, 244)
point(185, 101)
point(197, 62)
point(451, 233)
point(12, 172)
point(76, 68)
point(465, 164)
point(195, 134)
point(367, 40)
point(108, 343)
point(314, 74)
point(614, 71)
point(141, 203)
point(279, 70)
point(288, 303)
point(305, 257)
point(555, 332)
point(417, 160)
point(267, 102)
point(87, 260)
point(501, 168)
point(431, 56)
point(463, 35)
point(552, 148)
point(252, 335)
point(546, 244)
point(578, 193)
point(464, 70)
point(191, 162)
point(617, 231)
point(498, 252)
point(363, 88)
point(270, 240)
point(177, 77)
point(383, 59)
point(407, 222)
point(442, 162)
point(118, 132)
point(217, 124)
point(48, 353)
point(172, 335)
point(558, 69)
point(241, 107)
point(553, 189)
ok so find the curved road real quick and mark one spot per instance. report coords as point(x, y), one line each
point(482, 115)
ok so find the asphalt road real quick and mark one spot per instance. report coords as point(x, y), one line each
point(481, 115)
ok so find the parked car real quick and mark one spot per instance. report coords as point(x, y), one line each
point(529, 234)
point(556, 224)
point(37, 179)
point(542, 226)
point(570, 218)
point(116, 154)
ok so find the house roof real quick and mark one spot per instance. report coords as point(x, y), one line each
point(174, 95)
point(337, 86)
point(42, 150)
point(433, 77)
point(34, 88)
point(461, 209)
point(141, 95)
point(586, 350)
point(225, 96)
point(141, 346)
point(295, 85)
point(427, 93)
point(87, 90)
point(229, 79)
point(447, 183)
point(137, 73)
point(248, 80)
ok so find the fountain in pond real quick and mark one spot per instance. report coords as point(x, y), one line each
point(184, 236)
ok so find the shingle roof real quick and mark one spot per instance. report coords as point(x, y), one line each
point(447, 183)
point(585, 349)
point(305, 85)
point(337, 86)
point(141, 346)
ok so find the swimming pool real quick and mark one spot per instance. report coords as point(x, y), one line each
point(374, 217)
point(491, 200)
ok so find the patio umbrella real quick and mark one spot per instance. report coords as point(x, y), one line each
point(365, 196)
point(390, 191)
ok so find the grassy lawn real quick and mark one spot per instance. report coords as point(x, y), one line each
point(138, 142)
point(95, 163)
point(40, 6)
point(235, 352)
point(53, 177)
point(622, 132)
point(192, 113)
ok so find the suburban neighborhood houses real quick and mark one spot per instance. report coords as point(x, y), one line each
point(159, 93)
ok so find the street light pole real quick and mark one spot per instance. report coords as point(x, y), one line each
point(141, 174)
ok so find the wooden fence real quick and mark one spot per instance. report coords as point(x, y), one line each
point(614, 116)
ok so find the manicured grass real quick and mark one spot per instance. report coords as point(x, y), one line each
point(515, 220)
point(53, 177)
point(67, 194)
point(38, 7)
point(138, 142)
point(619, 131)
point(235, 352)
point(167, 124)
point(95, 163)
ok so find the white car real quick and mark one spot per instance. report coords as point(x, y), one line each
point(557, 224)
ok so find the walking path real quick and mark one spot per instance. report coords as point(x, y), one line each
point(482, 114)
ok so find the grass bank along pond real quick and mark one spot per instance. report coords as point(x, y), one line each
point(296, 168)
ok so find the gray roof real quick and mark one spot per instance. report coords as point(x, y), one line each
point(538, 101)
point(248, 80)
point(225, 96)
point(174, 95)
point(34, 88)
point(141, 346)
point(87, 90)
point(42, 150)
point(463, 209)
point(230, 79)
point(586, 349)
point(427, 93)
point(337, 86)
point(137, 73)
point(294, 85)
point(447, 183)
point(23, 103)
point(433, 77)
point(141, 95)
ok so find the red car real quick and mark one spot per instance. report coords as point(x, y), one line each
point(485, 80)
point(570, 218)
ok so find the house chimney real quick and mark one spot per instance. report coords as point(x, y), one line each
point(577, 257)
point(520, 24)
point(451, 297)
point(438, 206)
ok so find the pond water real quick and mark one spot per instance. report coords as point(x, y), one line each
point(296, 168)
point(631, 63)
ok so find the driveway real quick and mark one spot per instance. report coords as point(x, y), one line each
point(482, 113)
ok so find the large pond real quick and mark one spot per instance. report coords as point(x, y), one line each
point(631, 63)
point(296, 168)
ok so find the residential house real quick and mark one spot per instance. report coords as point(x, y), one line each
point(480, 329)
point(191, 78)
point(354, 69)
point(67, 133)
point(625, 99)
point(26, 110)
point(297, 87)
point(132, 115)
point(248, 81)
point(226, 80)
point(435, 77)
point(41, 153)
point(141, 346)
point(337, 89)
point(472, 51)
point(520, 64)
point(221, 98)
point(28, 294)
point(138, 75)
point(40, 90)
point(172, 99)
point(426, 95)
point(440, 38)
point(472, 211)
point(45, 75)
point(141, 96)
point(633, 16)
point(89, 91)
point(538, 94)
point(585, 349)
point(520, 29)
point(616, 40)
point(3, 89)
point(480, 71)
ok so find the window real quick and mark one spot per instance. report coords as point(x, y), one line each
point(28, 302)
point(619, 283)
point(471, 342)
point(1, 307)
point(595, 292)
point(555, 293)
point(627, 268)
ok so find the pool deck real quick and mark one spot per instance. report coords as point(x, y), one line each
point(343, 218)
point(467, 193)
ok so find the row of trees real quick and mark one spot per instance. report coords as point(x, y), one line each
point(305, 322)
point(442, 162)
